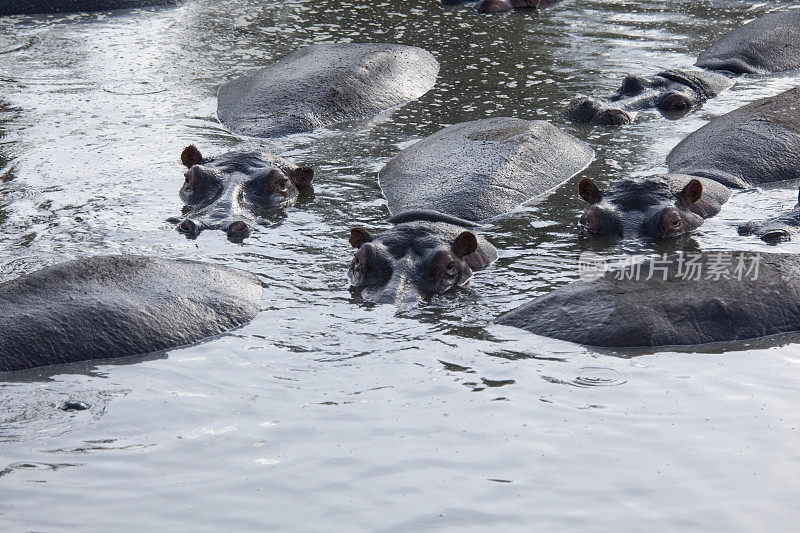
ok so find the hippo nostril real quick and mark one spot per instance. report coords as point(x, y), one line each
point(238, 227)
point(187, 226)
point(613, 117)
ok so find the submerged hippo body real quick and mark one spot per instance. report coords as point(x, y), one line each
point(115, 306)
point(501, 6)
point(21, 7)
point(655, 206)
point(325, 84)
point(767, 45)
point(668, 91)
point(480, 169)
point(233, 191)
point(425, 253)
point(683, 303)
point(776, 229)
point(755, 144)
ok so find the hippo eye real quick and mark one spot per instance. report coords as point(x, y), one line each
point(283, 184)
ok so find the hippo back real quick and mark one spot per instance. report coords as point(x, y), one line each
point(325, 84)
point(755, 144)
point(115, 306)
point(480, 169)
point(673, 307)
point(766, 45)
point(20, 7)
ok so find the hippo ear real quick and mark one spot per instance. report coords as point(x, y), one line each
point(191, 156)
point(589, 191)
point(692, 192)
point(465, 244)
point(302, 176)
point(359, 236)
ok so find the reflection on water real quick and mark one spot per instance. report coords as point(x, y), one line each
point(380, 420)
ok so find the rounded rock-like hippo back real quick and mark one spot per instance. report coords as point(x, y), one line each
point(30, 7)
point(757, 143)
point(115, 306)
point(687, 299)
point(325, 84)
point(480, 169)
point(766, 45)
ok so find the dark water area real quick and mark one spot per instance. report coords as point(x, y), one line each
point(327, 414)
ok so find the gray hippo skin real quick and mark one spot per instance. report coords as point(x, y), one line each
point(480, 169)
point(766, 45)
point(501, 6)
point(762, 299)
point(115, 306)
point(325, 84)
point(776, 229)
point(755, 144)
point(662, 206)
point(21, 7)
point(233, 191)
point(425, 253)
point(669, 91)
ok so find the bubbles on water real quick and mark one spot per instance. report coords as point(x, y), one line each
point(596, 376)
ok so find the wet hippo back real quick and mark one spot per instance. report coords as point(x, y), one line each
point(766, 45)
point(325, 84)
point(480, 169)
point(757, 143)
point(762, 299)
point(115, 306)
point(19, 7)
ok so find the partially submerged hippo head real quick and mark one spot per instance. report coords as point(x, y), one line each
point(233, 191)
point(776, 229)
point(655, 206)
point(425, 253)
point(669, 91)
point(501, 6)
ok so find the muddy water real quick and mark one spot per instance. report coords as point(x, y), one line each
point(326, 414)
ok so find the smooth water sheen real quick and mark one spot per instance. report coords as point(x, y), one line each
point(326, 414)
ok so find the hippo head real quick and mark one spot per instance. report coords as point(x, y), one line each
point(425, 253)
point(500, 6)
point(776, 229)
point(671, 91)
point(655, 206)
point(235, 190)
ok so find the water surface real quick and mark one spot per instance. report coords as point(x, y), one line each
point(327, 414)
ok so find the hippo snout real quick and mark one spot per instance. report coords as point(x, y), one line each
point(399, 290)
point(587, 110)
point(235, 229)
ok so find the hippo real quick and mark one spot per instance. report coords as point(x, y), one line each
point(424, 254)
point(501, 6)
point(118, 305)
point(661, 206)
point(325, 84)
point(768, 45)
point(678, 300)
point(232, 191)
point(31, 7)
point(755, 144)
point(669, 91)
point(752, 145)
point(776, 229)
point(481, 169)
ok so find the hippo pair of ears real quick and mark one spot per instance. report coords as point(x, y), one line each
point(691, 192)
point(300, 176)
point(464, 246)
